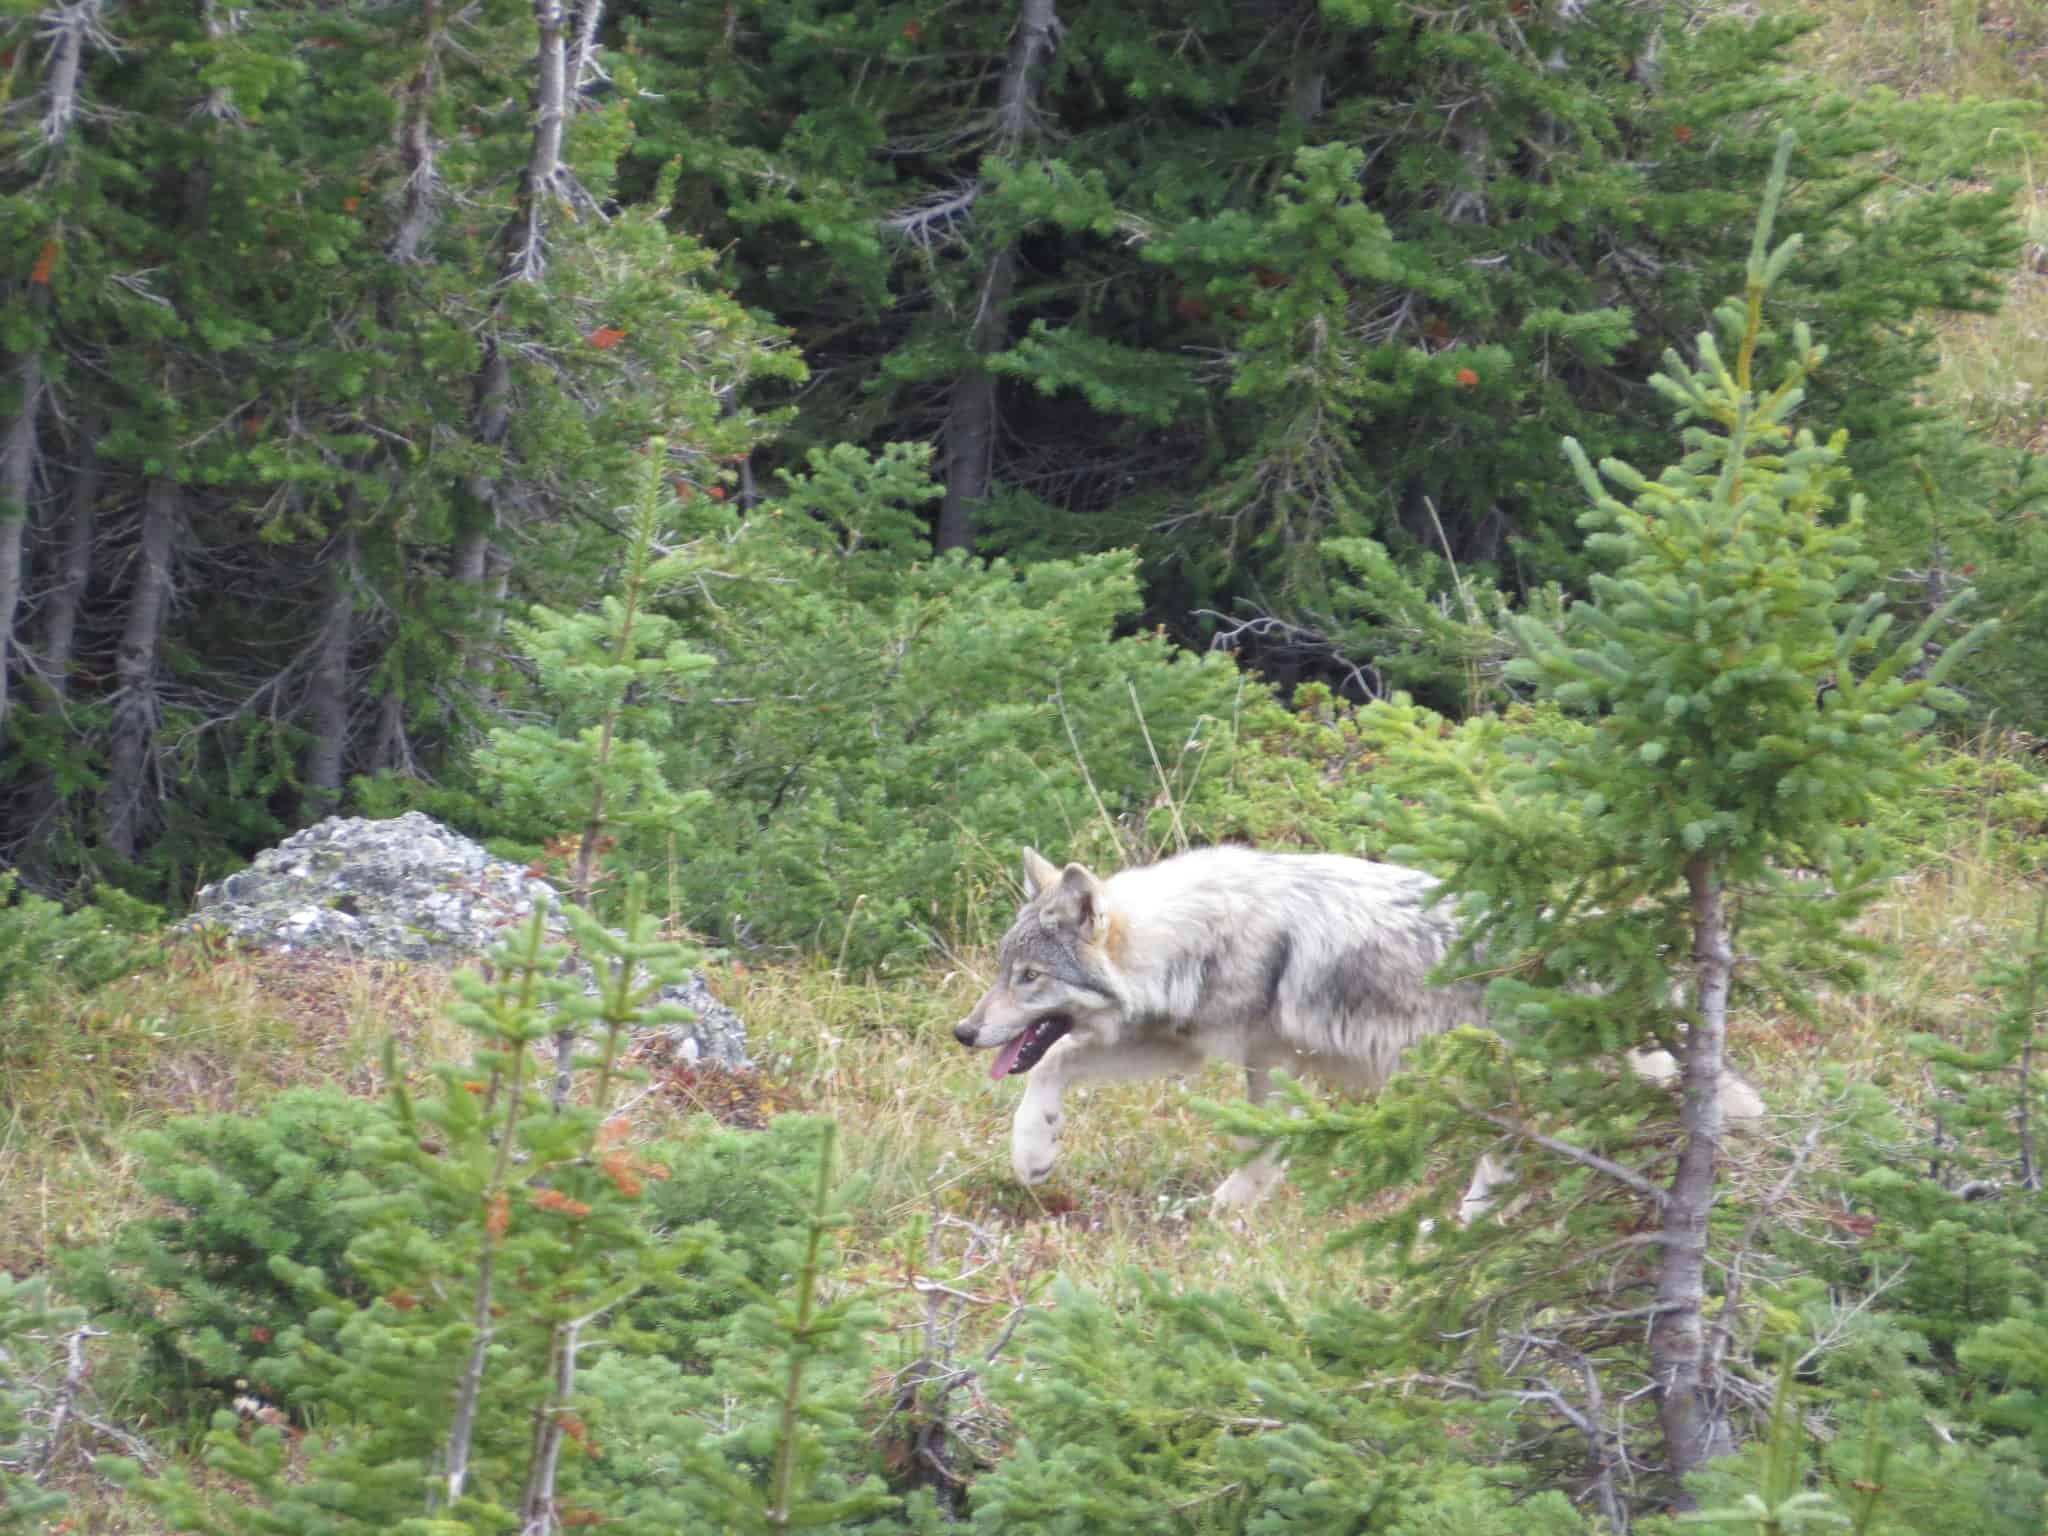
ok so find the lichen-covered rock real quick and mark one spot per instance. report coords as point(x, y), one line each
point(410, 889)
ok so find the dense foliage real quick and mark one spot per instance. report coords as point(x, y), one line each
point(785, 455)
point(338, 332)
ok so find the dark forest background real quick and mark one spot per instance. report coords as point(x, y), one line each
point(1000, 354)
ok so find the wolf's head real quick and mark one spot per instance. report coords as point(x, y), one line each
point(1054, 972)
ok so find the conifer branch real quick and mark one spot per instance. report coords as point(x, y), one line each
point(782, 1483)
point(469, 1391)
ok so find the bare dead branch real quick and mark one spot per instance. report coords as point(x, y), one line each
point(938, 218)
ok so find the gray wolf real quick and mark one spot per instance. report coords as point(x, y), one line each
point(1315, 963)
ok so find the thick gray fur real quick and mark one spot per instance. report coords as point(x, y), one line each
point(1314, 963)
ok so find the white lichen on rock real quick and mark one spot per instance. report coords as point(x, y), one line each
point(410, 889)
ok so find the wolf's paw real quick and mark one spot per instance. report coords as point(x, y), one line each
point(1035, 1137)
point(1030, 1167)
point(1034, 1147)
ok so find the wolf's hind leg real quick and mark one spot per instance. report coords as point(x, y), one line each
point(1248, 1185)
point(1041, 1116)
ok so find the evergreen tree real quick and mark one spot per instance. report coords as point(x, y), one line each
point(1742, 711)
point(277, 273)
point(500, 1240)
point(33, 1400)
point(609, 679)
point(1999, 1100)
point(1337, 269)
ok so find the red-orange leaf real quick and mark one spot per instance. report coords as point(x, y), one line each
point(555, 1200)
point(46, 258)
point(606, 336)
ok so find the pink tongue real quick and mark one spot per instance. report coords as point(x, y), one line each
point(1006, 1058)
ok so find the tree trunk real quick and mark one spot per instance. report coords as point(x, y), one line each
point(393, 750)
point(65, 599)
point(1689, 1406)
point(541, 181)
point(971, 422)
point(582, 50)
point(18, 458)
point(136, 708)
point(550, 1427)
point(971, 418)
point(523, 247)
point(420, 204)
point(61, 603)
point(328, 698)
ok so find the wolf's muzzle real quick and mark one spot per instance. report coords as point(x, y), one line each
point(965, 1032)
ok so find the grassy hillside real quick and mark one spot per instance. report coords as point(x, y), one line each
point(942, 1241)
point(922, 1128)
point(1994, 368)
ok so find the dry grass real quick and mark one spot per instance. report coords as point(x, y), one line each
point(1993, 369)
point(922, 1129)
point(921, 1122)
point(204, 1031)
point(1943, 48)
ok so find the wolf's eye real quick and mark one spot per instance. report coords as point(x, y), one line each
point(1026, 976)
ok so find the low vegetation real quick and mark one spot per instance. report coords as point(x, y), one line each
point(300, 1244)
point(976, 1295)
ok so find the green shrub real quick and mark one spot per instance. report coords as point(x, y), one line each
point(195, 1284)
point(440, 1364)
point(29, 1368)
point(1209, 1413)
point(744, 1189)
point(41, 943)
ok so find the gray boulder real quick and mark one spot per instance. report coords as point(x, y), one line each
point(410, 889)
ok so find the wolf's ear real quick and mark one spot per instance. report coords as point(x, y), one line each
point(1081, 904)
point(1039, 874)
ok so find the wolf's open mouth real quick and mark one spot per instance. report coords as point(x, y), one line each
point(1025, 1052)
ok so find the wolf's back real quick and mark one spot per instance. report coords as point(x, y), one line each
point(1330, 954)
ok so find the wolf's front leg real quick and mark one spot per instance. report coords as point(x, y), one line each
point(1035, 1132)
point(1248, 1185)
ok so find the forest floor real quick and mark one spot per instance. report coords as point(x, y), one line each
point(921, 1124)
point(922, 1128)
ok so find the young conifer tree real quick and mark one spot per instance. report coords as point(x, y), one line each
point(609, 675)
point(505, 1235)
point(34, 1399)
point(1997, 1087)
point(1725, 706)
point(1746, 715)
